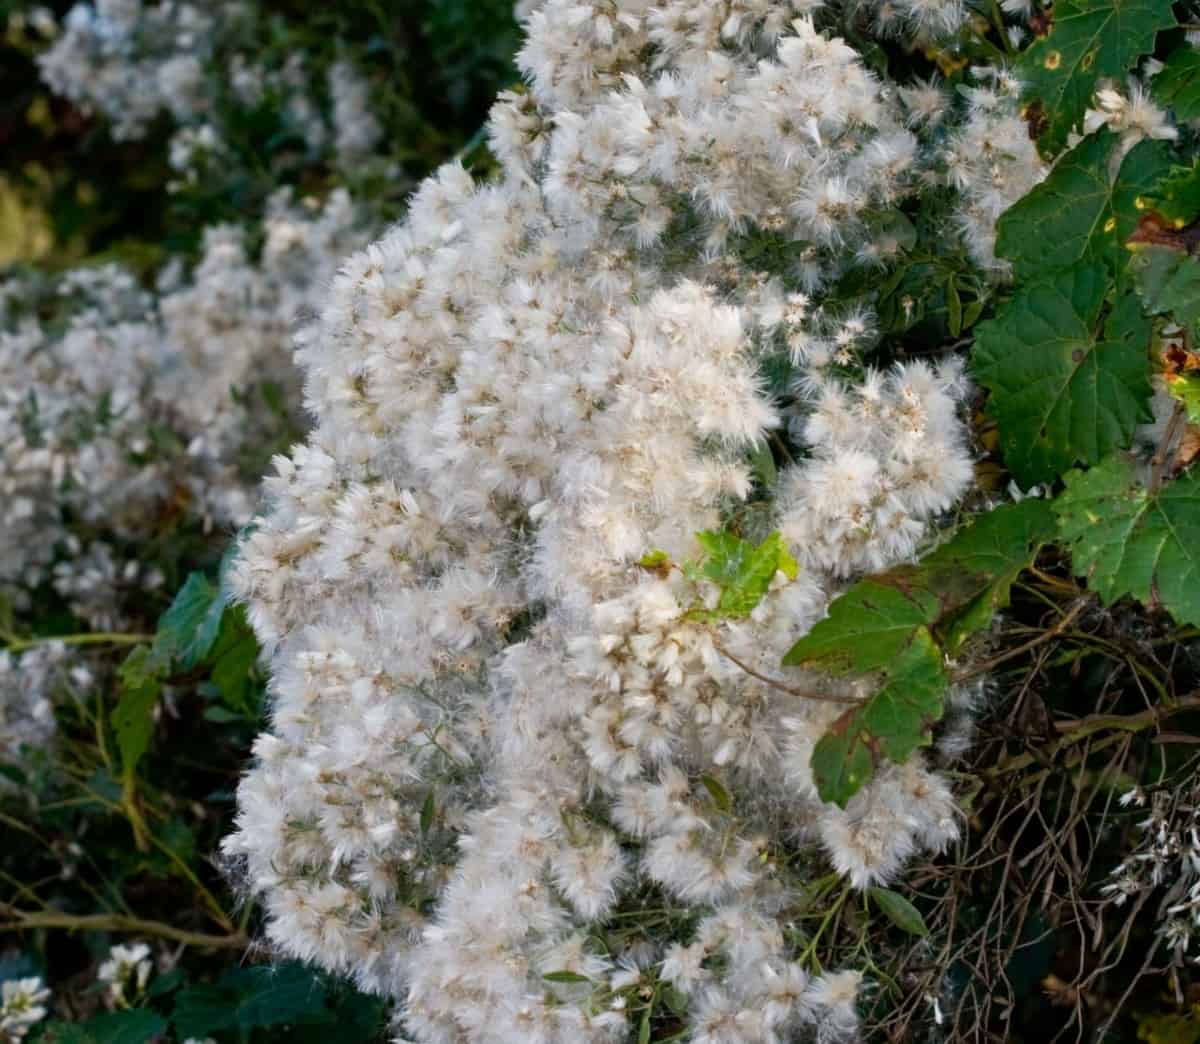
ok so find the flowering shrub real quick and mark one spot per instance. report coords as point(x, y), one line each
point(514, 695)
point(769, 472)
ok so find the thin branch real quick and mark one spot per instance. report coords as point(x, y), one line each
point(1158, 463)
point(783, 686)
point(28, 920)
point(1045, 636)
point(1080, 728)
point(14, 644)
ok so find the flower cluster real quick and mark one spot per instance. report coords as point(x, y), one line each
point(991, 161)
point(1167, 857)
point(134, 62)
point(494, 727)
point(29, 683)
point(126, 404)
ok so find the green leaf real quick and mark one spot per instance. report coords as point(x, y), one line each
point(125, 1027)
point(189, 627)
point(565, 976)
point(892, 623)
point(676, 1000)
point(222, 715)
point(762, 461)
point(875, 621)
point(1168, 281)
point(992, 550)
point(1090, 39)
point(1062, 390)
point(717, 792)
point(249, 998)
point(644, 1028)
point(167, 982)
point(1177, 84)
point(1130, 541)
point(842, 761)
point(64, 1033)
point(1186, 389)
point(899, 911)
point(893, 723)
point(954, 309)
point(900, 715)
point(6, 614)
point(1177, 196)
point(867, 628)
point(428, 809)
point(742, 571)
point(233, 660)
point(1080, 213)
point(133, 717)
point(655, 560)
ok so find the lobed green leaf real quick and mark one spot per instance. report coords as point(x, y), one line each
point(1089, 40)
point(899, 624)
point(1177, 84)
point(742, 570)
point(1168, 282)
point(1129, 540)
point(1081, 213)
point(1065, 386)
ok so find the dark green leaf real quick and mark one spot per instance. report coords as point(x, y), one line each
point(222, 715)
point(842, 760)
point(1177, 84)
point(954, 309)
point(1062, 390)
point(64, 1033)
point(1176, 197)
point(900, 715)
point(125, 1027)
point(1130, 541)
point(887, 624)
point(233, 660)
point(1090, 39)
point(249, 998)
point(1169, 282)
point(1080, 213)
point(428, 808)
point(891, 724)
point(991, 550)
point(867, 628)
point(133, 716)
point(189, 627)
point(165, 983)
point(899, 911)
